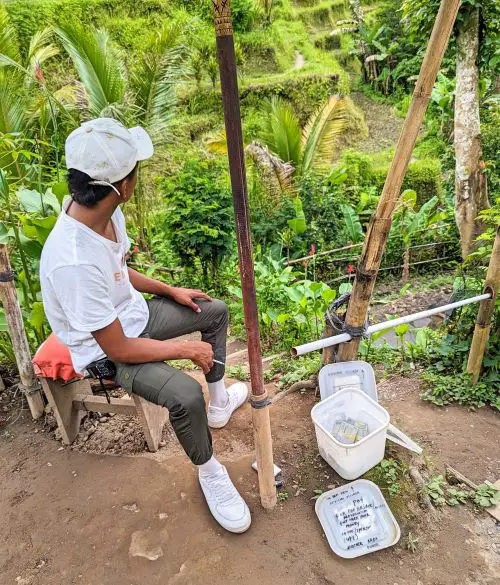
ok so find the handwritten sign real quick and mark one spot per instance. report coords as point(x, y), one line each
point(358, 518)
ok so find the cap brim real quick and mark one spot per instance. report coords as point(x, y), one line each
point(143, 143)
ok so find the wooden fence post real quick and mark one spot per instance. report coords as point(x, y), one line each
point(8, 296)
point(230, 98)
point(380, 223)
point(485, 313)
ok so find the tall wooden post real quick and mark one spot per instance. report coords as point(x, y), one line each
point(8, 296)
point(380, 223)
point(485, 313)
point(232, 117)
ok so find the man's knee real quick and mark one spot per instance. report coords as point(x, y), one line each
point(219, 308)
point(189, 398)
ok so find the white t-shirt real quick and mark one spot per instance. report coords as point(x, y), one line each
point(85, 286)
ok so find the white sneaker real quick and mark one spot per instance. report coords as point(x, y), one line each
point(237, 396)
point(224, 501)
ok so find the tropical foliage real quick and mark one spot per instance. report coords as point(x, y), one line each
point(320, 120)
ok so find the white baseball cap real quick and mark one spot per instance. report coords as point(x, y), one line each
point(106, 150)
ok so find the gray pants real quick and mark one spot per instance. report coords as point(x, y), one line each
point(162, 384)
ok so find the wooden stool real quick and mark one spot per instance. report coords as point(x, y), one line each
point(71, 401)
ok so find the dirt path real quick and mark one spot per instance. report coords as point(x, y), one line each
point(300, 60)
point(384, 126)
point(75, 518)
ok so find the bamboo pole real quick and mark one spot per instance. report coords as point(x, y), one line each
point(232, 118)
point(8, 296)
point(380, 223)
point(485, 313)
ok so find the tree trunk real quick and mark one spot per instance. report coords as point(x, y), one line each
point(8, 297)
point(380, 223)
point(470, 183)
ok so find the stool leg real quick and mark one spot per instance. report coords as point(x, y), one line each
point(60, 399)
point(153, 418)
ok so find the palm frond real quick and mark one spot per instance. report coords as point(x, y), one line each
point(281, 131)
point(275, 174)
point(321, 133)
point(13, 105)
point(157, 80)
point(9, 46)
point(48, 107)
point(217, 143)
point(99, 66)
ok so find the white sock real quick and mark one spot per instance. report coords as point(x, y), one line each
point(210, 467)
point(218, 394)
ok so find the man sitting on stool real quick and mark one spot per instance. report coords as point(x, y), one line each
point(94, 305)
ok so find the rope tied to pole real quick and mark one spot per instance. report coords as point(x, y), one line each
point(29, 391)
point(338, 323)
point(7, 276)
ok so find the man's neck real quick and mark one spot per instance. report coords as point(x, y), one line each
point(96, 218)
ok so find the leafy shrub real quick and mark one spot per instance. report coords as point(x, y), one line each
point(423, 176)
point(358, 166)
point(442, 390)
point(198, 218)
point(290, 311)
point(490, 134)
point(243, 14)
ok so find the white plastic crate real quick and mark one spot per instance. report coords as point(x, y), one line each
point(351, 461)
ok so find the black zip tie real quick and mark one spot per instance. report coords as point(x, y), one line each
point(7, 276)
point(260, 403)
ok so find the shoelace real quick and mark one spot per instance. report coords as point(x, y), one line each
point(222, 489)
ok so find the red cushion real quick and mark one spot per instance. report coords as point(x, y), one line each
point(53, 360)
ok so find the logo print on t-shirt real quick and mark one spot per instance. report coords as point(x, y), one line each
point(119, 276)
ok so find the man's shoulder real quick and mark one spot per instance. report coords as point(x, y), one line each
point(69, 246)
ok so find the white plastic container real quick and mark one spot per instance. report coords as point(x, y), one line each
point(351, 461)
point(356, 519)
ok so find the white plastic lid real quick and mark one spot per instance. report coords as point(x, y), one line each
point(356, 374)
point(356, 519)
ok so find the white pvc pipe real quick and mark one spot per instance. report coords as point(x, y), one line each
point(336, 339)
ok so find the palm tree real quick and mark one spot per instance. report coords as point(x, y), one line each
point(100, 68)
point(148, 97)
point(287, 153)
point(27, 104)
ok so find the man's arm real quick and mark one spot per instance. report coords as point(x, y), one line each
point(183, 296)
point(127, 350)
point(144, 284)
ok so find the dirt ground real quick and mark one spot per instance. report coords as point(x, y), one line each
point(70, 517)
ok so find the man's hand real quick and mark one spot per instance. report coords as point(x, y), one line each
point(186, 296)
point(201, 354)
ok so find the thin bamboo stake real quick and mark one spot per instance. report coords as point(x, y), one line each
point(325, 253)
point(485, 313)
point(8, 296)
point(380, 223)
point(232, 118)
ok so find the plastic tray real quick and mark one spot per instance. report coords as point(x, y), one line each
point(356, 519)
